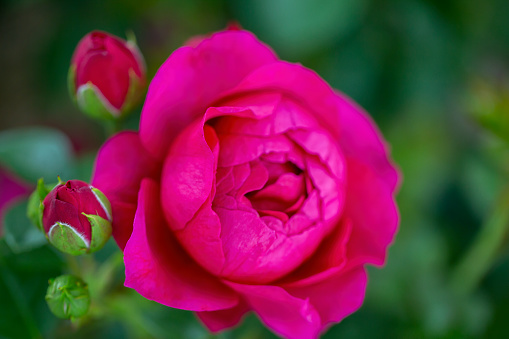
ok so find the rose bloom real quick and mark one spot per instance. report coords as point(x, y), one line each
point(250, 186)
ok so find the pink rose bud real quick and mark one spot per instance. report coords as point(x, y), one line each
point(76, 218)
point(107, 75)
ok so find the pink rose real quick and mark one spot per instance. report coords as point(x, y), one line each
point(251, 186)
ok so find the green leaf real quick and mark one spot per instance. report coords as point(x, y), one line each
point(36, 152)
point(20, 235)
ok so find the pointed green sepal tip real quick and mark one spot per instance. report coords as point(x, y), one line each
point(66, 239)
point(68, 297)
point(35, 206)
point(101, 231)
point(105, 203)
point(93, 103)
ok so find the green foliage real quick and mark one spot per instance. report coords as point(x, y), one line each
point(20, 234)
point(36, 152)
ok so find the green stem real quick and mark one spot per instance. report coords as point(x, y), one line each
point(112, 127)
point(485, 249)
point(73, 265)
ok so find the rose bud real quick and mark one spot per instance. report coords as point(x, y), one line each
point(107, 75)
point(76, 218)
point(68, 297)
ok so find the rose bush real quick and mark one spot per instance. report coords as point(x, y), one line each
point(251, 185)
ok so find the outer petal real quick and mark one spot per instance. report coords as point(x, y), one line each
point(160, 270)
point(360, 139)
point(217, 321)
point(287, 315)
point(336, 297)
point(121, 164)
point(188, 174)
point(328, 259)
point(372, 210)
point(300, 84)
point(191, 79)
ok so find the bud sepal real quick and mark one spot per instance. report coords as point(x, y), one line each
point(35, 206)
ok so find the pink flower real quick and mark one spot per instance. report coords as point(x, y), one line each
point(251, 186)
point(107, 75)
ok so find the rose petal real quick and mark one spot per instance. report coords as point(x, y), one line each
point(160, 270)
point(188, 174)
point(301, 85)
point(287, 315)
point(372, 210)
point(191, 78)
point(217, 321)
point(361, 139)
point(123, 219)
point(245, 148)
point(257, 250)
point(201, 239)
point(121, 164)
point(328, 259)
point(336, 297)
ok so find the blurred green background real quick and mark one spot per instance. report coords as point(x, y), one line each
point(423, 69)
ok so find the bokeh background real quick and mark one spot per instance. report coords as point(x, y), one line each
point(424, 69)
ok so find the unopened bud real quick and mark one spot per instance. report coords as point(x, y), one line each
point(76, 218)
point(68, 297)
point(107, 75)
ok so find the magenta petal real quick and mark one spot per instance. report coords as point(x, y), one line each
point(188, 174)
point(123, 218)
point(360, 139)
point(217, 321)
point(301, 85)
point(121, 164)
point(329, 258)
point(192, 78)
point(160, 270)
point(372, 210)
point(336, 297)
point(287, 315)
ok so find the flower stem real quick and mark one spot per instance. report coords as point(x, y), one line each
point(485, 249)
point(112, 127)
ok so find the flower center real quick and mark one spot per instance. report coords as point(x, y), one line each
point(283, 194)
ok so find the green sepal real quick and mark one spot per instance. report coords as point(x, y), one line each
point(71, 82)
point(35, 207)
point(68, 297)
point(101, 231)
point(104, 202)
point(134, 93)
point(67, 240)
point(93, 103)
